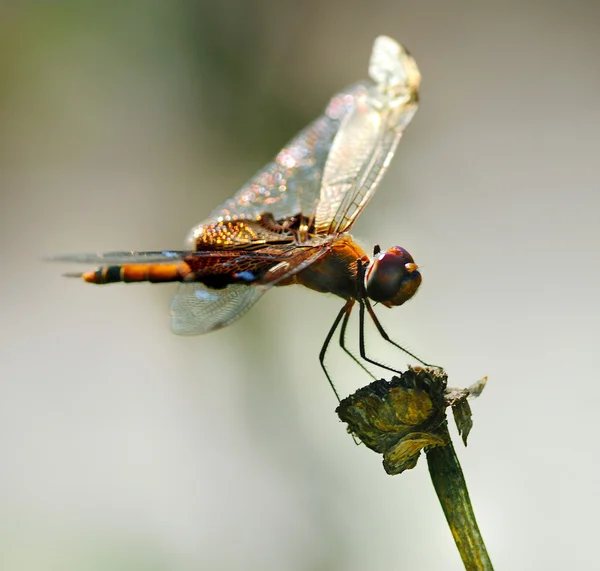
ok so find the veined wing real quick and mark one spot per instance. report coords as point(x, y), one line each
point(217, 287)
point(197, 309)
point(330, 170)
point(113, 258)
point(290, 185)
point(216, 268)
point(367, 137)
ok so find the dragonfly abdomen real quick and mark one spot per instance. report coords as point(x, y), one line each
point(154, 273)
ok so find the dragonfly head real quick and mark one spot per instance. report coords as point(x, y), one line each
point(392, 277)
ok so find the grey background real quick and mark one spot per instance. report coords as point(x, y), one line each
point(125, 447)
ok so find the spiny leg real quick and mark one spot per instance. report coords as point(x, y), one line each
point(361, 295)
point(384, 334)
point(345, 310)
point(348, 308)
point(364, 301)
point(361, 333)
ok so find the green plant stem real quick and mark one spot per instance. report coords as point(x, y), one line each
point(451, 488)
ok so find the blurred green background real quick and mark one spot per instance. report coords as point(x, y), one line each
point(124, 447)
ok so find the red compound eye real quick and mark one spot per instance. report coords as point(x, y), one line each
point(392, 277)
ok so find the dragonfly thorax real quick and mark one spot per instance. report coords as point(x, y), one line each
point(392, 277)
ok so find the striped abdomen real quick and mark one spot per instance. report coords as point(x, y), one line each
point(214, 269)
point(154, 273)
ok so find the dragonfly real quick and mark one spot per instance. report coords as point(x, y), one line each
point(289, 223)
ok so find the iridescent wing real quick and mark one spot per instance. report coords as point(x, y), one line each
point(197, 309)
point(367, 137)
point(242, 276)
point(115, 258)
point(289, 185)
point(330, 170)
point(263, 266)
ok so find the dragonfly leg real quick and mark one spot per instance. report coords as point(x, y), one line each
point(343, 312)
point(343, 340)
point(361, 295)
point(365, 303)
point(347, 309)
point(384, 334)
point(361, 337)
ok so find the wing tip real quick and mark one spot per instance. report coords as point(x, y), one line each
point(391, 64)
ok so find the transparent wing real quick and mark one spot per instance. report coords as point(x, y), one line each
point(115, 258)
point(367, 137)
point(291, 183)
point(197, 309)
point(330, 170)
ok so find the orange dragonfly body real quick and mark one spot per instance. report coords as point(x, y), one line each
point(289, 224)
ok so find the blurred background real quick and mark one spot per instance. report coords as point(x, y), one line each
point(125, 447)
